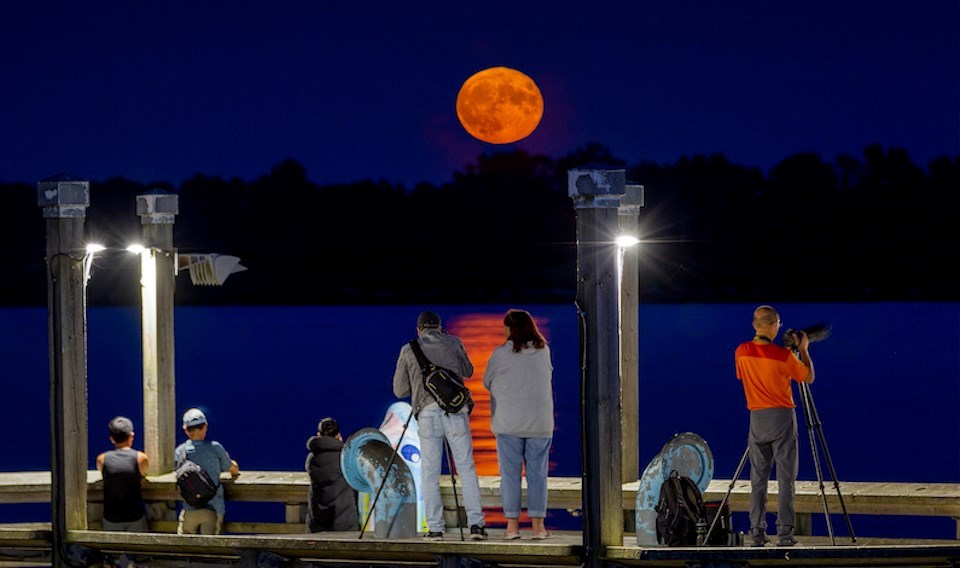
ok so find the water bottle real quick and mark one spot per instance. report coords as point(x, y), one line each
point(701, 531)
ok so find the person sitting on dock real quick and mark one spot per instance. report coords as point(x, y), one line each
point(332, 502)
point(123, 468)
point(213, 459)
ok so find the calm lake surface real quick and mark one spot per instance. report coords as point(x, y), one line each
point(887, 389)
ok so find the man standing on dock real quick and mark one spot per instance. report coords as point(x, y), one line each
point(766, 371)
point(437, 427)
point(212, 459)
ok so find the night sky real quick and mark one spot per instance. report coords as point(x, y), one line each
point(158, 91)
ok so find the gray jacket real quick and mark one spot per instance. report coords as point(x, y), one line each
point(442, 350)
point(521, 391)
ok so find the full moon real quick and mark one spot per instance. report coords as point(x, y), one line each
point(499, 105)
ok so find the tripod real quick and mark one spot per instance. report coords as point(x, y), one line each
point(723, 502)
point(453, 481)
point(813, 423)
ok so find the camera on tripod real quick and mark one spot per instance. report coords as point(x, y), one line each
point(818, 332)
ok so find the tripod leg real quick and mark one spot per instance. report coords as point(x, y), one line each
point(826, 453)
point(805, 400)
point(453, 482)
point(733, 481)
point(386, 475)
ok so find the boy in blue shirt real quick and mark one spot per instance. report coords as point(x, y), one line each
point(213, 459)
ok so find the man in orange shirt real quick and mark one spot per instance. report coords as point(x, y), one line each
point(766, 371)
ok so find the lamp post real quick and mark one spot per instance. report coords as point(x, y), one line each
point(630, 205)
point(64, 201)
point(157, 283)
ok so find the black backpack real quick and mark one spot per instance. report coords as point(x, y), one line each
point(445, 386)
point(678, 511)
point(195, 486)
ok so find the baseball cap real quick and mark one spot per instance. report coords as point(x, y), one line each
point(428, 319)
point(194, 417)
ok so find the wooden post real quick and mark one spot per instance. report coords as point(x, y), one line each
point(157, 281)
point(596, 196)
point(65, 201)
point(630, 205)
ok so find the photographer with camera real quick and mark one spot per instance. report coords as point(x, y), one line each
point(766, 371)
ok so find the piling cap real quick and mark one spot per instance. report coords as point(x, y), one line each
point(194, 417)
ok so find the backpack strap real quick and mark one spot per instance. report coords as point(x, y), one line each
point(692, 501)
point(422, 360)
point(678, 490)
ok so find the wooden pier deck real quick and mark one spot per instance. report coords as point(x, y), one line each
point(246, 542)
point(565, 548)
point(290, 488)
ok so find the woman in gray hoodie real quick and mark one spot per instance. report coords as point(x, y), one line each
point(519, 376)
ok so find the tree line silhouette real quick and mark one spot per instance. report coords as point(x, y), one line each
point(870, 228)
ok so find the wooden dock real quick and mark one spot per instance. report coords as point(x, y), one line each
point(31, 545)
point(249, 543)
point(290, 488)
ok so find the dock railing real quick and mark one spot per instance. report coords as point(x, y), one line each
point(290, 490)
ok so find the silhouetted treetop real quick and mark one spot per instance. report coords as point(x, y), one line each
point(874, 227)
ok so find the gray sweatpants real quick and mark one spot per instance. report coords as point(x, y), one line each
point(772, 440)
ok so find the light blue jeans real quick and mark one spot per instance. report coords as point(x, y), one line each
point(435, 425)
point(512, 454)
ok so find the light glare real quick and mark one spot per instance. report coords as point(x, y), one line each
point(136, 249)
point(94, 248)
point(626, 241)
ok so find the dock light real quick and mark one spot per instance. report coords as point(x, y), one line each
point(136, 249)
point(92, 250)
point(625, 244)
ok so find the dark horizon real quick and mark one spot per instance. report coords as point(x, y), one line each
point(874, 227)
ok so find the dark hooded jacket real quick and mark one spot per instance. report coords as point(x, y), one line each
point(333, 503)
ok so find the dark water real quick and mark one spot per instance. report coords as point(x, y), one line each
point(887, 389)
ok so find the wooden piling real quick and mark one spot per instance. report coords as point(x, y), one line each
point(64, 201)
point(596, 196)
point(630, 205)
point(158, 280)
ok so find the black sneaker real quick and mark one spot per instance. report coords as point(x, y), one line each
point(433, 535)
point(787, 540)
point(758, 538)
point(478, 532)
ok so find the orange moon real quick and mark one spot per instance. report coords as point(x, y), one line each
point(499, 105)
